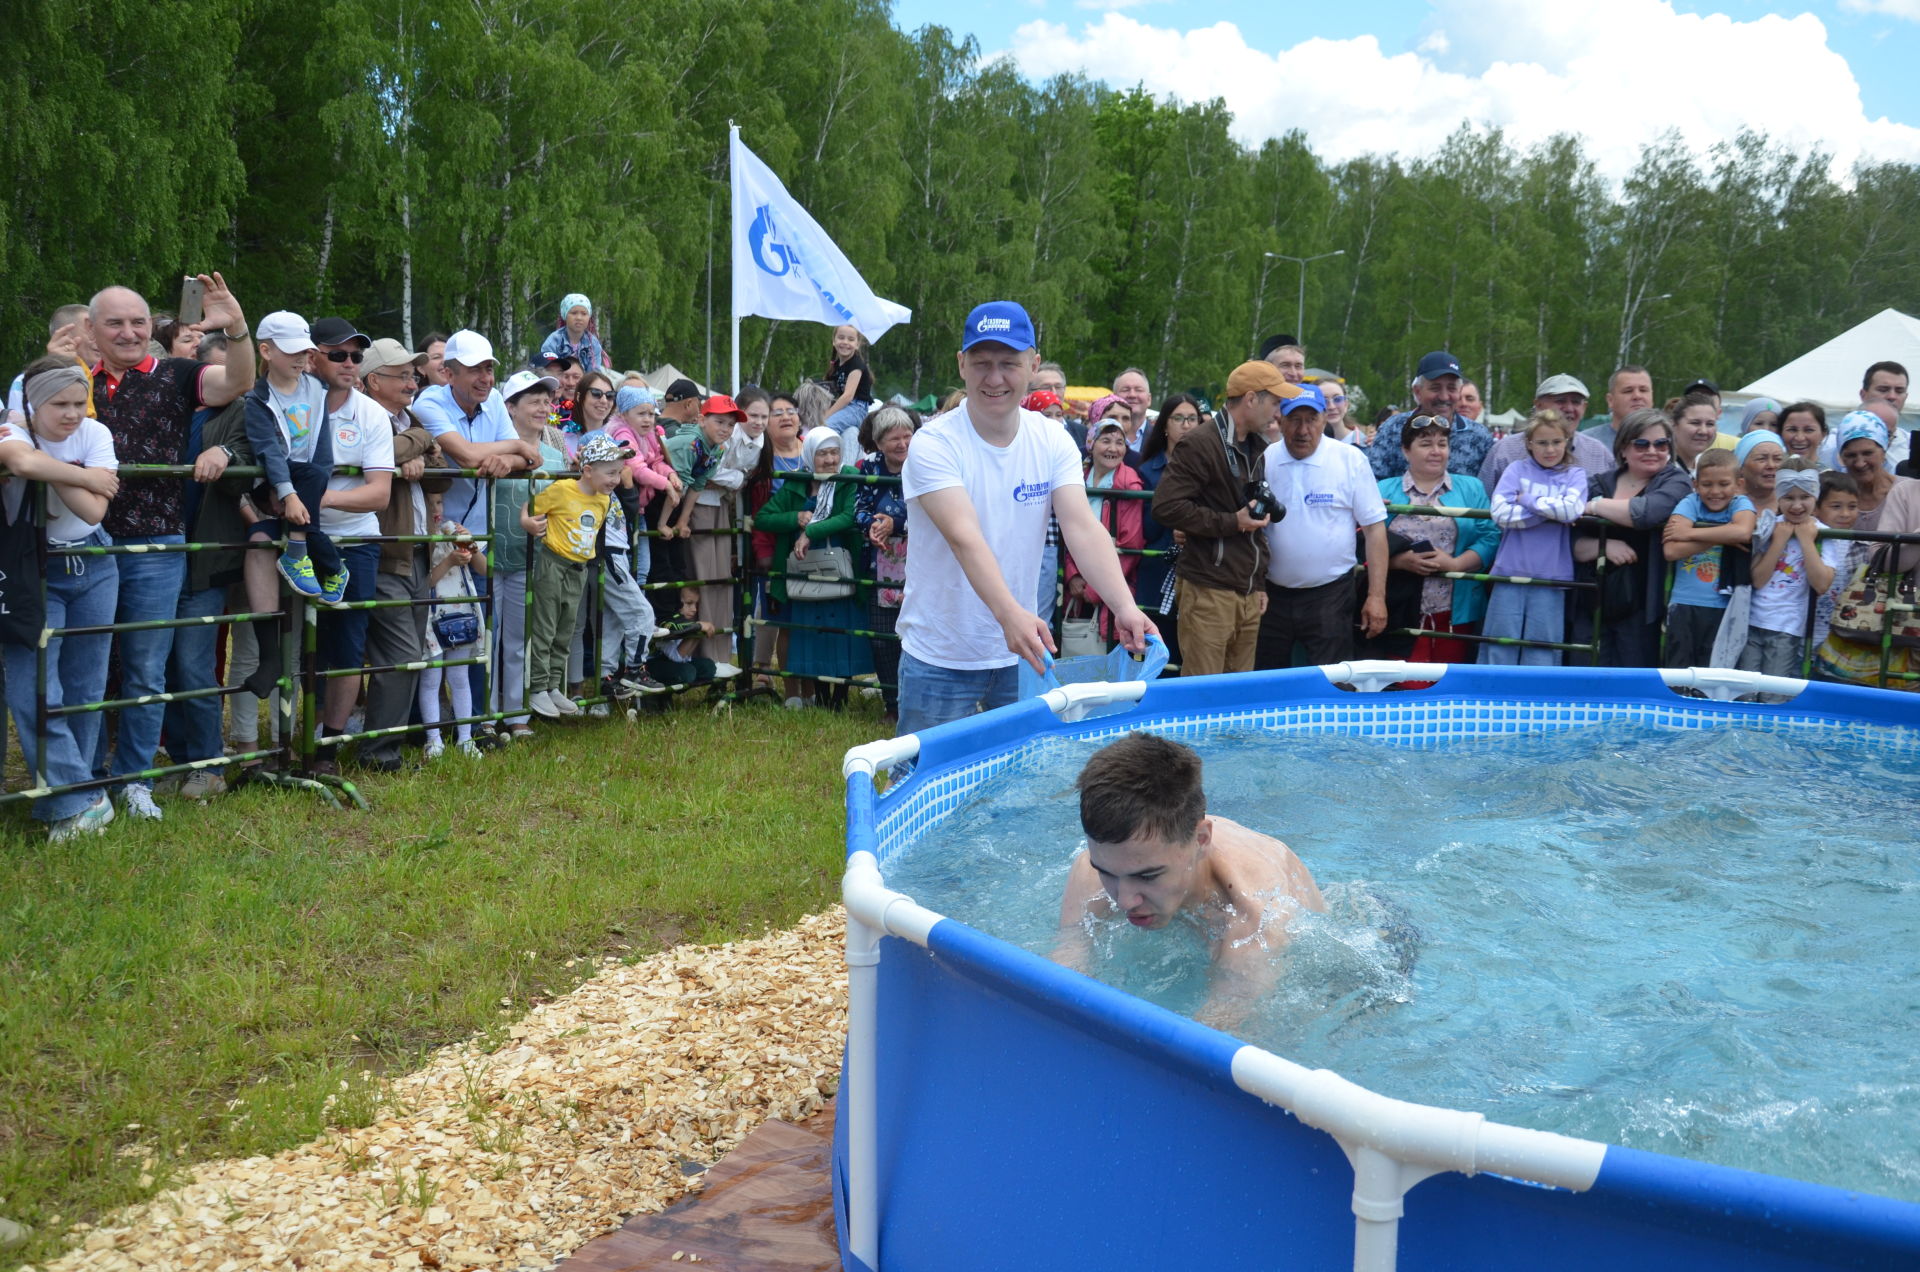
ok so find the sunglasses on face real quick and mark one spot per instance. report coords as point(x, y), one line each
point(354, 356)
point(1651, 443)
point(599, 393)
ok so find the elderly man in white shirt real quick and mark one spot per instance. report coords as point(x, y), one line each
point(1328, 492)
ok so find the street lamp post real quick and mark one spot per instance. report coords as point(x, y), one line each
point(1300, 311)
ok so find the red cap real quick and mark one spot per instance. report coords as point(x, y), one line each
point(1041, 399)
point(721, 404)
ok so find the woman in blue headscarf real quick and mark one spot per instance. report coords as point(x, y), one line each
point(1860, 442)
point(806, 515)
point(1758, 456)
point(575, 337)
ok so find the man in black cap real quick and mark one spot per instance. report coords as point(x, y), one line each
point(360, 433)
point(680, 406)
point(1436, 392)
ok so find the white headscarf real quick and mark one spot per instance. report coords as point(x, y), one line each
point(817, 440)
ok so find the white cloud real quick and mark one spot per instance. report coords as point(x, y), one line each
point(1908, 9)
point(1616, 72)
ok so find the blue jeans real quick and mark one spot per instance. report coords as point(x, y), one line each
point(150, 588)
point(1528, 613)
point(81, 592)
point(847, 421)
point(931, 695)
point(1049, 583)
point(193, 727)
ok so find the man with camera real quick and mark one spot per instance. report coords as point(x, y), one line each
point(1324, 492)
point(1211, 498)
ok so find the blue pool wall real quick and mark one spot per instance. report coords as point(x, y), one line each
point(1030, 1117)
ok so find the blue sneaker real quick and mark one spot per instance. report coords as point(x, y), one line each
point(333, 588)
point(298, 572)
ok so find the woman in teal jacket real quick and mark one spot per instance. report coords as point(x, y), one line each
point(1456, 544)
point(804, 515)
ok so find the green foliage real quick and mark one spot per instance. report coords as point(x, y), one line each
point(415, 167)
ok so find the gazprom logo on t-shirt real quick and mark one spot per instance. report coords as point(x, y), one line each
point(1320, 499)
point(994, 324)
point(1029, 491)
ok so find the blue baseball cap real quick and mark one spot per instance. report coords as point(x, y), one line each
point(1309, 396)
point(1437, 364)
point(998, 322)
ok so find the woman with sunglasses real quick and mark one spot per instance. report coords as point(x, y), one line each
point(1637, 496)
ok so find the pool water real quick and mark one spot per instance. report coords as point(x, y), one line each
point(1703, 942)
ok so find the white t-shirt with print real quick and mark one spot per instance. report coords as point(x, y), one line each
point(91, 446)
point(299, 415)
point(362, 438)
point(1328, 495)
point(1011, 488)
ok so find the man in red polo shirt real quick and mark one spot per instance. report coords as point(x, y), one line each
point(147, 404)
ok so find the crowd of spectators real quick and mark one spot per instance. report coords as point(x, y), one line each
point(610, 541)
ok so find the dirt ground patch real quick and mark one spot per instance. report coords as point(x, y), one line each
point(597, 1105)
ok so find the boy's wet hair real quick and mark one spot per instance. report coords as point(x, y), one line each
point(1713, 459)
point(1141, 785)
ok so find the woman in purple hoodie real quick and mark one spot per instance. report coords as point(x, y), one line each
point(1538, 497)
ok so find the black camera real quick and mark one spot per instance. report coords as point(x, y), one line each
point(1262, 502)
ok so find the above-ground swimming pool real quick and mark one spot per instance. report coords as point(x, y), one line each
point(1001, 1111)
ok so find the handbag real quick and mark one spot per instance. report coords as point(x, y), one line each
point(1081, 638)
point(1860, 615)
point(457, 625)
point(828, 575)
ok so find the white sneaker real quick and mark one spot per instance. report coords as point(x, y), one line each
point(599, 711)
point(542, 704)
point(796, 704)
point(471, 749)
point(434, 749)
point(90, 820)
point(563, 704)
point(725, 671)
point(138, 801)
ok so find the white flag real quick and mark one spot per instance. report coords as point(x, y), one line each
point(785, 266)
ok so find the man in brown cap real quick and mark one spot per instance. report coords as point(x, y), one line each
point(1204, 497)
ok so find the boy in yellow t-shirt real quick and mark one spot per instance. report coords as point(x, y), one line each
point(568, 516)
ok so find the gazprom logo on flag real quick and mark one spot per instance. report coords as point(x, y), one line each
point(761, 237)
point(1029, 491)
point(993, 324)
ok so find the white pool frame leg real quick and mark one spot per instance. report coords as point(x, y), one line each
point(861, 1092)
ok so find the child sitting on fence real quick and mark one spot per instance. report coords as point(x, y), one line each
point(1704, 524)
point(452, 575)
point(568, 516)
point(74, 455)
point(1538, 497)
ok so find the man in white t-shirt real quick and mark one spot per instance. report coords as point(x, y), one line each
point(981, 481)
point(468, 420)
point(361, 434)
point(1328, 492)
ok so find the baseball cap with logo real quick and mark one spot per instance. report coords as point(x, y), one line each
point(682, 389)
point(386, 353)
point(1437, 364)
point(999, 322)
point(468, 348)
point(287, 330)
point(1309, 398)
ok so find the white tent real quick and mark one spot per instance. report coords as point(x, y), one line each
point(1830, 374)
point(665, 374)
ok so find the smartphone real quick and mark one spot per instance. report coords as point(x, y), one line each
point(192, 293)
point(1419, 545)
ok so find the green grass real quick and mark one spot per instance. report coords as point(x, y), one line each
point(199, 988)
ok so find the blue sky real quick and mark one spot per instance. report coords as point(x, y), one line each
point(1838, 74)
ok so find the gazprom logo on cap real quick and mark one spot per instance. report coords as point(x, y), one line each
point(993, 324)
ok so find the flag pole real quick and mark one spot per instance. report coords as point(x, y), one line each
point(733, 295)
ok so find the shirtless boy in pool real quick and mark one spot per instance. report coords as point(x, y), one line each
point(1154, 855)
